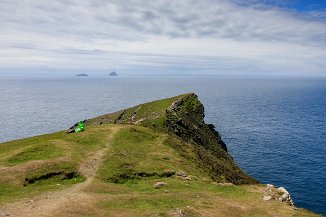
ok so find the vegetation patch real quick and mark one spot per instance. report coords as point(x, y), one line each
point(147, 202)
point(183, 117)
point(47, 150)
point(123, 178)
point(140, 153)
point(53, 176)
point(54, 173)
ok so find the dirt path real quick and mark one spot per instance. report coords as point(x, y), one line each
point(54, 203)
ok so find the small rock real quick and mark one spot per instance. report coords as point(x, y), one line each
point(281, 189)
point(159, 184)
point(269, 186)
point(168, 172)
point(181, 174)
point(267, 198)
point(187, 178)
point(166, 191)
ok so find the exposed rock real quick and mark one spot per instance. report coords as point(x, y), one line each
point(270, 187)
point(168, 173)
point(134, 113)
point(120, 117)
point(159, 184)
point(286, 197)
point(181, 174)
point(140, 121)
point(283, 190)
point(266, 198)
point(280, 194)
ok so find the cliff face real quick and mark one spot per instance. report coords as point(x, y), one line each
point(183, 117)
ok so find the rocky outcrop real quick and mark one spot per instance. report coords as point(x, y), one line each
point(185, 119)
point(280, 194)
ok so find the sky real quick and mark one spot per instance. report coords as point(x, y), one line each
point(240, 37)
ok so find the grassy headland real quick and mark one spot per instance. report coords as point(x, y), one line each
point(111, 169)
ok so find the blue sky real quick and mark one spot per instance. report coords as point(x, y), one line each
point(307, 5)
point(297, 5)
point(282, 37)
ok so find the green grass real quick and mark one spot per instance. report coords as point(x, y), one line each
point(50, 146)
point(10, 193)
point(48, 150)
point(8, 147)
point(137, 157)
point(138, 149)
point(49, 160)
point(140, 153)
point(133, 150)
point(152, 114)
point(157, 202)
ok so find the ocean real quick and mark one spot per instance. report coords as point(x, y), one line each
point(275, 128)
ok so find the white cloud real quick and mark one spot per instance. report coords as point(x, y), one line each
point(208, 35)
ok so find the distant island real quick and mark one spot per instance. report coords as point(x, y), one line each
point(113, 74)
point(82, 75)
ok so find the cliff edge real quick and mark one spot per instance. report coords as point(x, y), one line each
point(183, 117)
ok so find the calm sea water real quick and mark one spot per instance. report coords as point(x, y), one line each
point(274, 128)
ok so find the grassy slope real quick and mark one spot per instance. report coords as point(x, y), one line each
point(137, 157)
point(33, 158)
point(117, 190)
point(183, 118)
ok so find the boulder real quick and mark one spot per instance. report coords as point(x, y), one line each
point(281, 189)
point(286, 197)
point(266, 198)
point(181, 174)
point(270, 187)
point(159, 184)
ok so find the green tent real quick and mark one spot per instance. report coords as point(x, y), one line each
point(80, 127)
